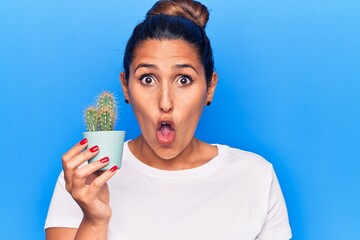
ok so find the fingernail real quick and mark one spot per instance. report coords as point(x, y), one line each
point(84, 141)
point(104, 160)
point(94, 149)
point(113, 169)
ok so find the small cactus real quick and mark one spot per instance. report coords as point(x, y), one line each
point(107, 99)
point(106, 119)
point(91, 119)
point(103, 117)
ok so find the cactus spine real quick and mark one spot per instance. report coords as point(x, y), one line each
point(106, 119)
point(91, 119)
point(103, 117)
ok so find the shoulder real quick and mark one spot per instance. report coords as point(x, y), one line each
point(245, 161)
point(235, 155)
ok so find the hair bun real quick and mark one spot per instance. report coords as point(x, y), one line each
point(192, 10)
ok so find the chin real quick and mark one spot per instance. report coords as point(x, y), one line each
point(167, 153)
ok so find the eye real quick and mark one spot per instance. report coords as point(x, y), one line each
point(147, 79)
point(185, 80)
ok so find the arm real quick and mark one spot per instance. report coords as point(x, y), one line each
point(59, 233)
point(89, 231)
point(85, 231)
point(90, 192)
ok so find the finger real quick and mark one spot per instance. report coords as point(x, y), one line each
point(82, 174)
point(70, 166)
point(75, 150)
point(101, 180)
point(84, 156)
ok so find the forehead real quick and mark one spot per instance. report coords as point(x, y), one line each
point(166, 52)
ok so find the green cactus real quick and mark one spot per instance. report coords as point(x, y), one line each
point(106, 99)
point(106, 118)
point(103, 117)
point(91, 119)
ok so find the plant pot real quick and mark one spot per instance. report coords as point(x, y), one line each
point(110, 145)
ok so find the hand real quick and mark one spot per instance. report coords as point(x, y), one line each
point(86, 184)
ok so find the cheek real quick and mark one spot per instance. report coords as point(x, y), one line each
point(195, 99)
point(191, 107)
point(141, 109)
point(139, 103)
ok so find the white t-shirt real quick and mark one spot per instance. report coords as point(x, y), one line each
point(236, 195)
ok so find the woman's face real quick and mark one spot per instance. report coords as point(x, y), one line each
point(167, 91)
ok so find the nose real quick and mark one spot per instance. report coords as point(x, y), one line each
point(166, 100)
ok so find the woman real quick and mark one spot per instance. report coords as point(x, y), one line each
point(171, 185)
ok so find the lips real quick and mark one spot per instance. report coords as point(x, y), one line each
point(165, 132)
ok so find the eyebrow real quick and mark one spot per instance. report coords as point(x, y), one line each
point(153, 66)
point(180, 66)
point(145, 65)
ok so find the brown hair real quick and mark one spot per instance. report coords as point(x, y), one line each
point(171, 20)
point(189, 9)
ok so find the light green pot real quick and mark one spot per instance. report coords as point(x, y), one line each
point(110, 145)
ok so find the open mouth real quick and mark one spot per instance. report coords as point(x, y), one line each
point(166, 132)
point(165, 128)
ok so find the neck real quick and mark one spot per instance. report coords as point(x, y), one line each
point(194, 154)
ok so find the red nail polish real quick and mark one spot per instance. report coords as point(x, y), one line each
point(104, 160)
point(94, 149)
point(113, 169)
point(84, 141)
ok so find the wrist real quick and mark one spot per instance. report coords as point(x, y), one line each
point(96, 223)
point(92, 230)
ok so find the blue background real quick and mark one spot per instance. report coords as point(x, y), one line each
point(289, 84)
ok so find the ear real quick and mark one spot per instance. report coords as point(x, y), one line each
point(124, 86)
point(212, 87)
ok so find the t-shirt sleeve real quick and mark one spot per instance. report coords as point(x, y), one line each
point(63, 210)
point(276, 226)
